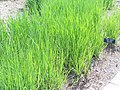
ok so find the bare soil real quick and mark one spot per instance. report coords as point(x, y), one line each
point(104, 70)
point(10, 8)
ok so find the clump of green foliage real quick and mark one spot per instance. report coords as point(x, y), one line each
point(107, 4)
point(38, 52)
point(34, 5)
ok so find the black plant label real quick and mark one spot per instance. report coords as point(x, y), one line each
point(109, 40)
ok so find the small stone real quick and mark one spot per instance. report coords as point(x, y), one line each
point(105, 70)
point(6, 5)
point(100, 83)
point(91, 88)
point(87, 85)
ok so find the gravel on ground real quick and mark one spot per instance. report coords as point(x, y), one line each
point(10, 8)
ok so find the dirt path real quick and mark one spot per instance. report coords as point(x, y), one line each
point(106, 68)
point(10, 7)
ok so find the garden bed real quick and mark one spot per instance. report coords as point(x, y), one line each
point(48, 43)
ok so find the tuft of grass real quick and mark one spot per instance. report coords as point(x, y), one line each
point(107, 4)
point(34, 6)
point(111, 25)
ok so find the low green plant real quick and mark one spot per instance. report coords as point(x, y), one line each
point(108, 4)
point(111, 25)
point(33, 6)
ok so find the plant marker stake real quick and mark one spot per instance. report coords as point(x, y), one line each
point(110, 42)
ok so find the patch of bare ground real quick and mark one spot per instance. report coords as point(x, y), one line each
point(10, 8)
point(106, 68)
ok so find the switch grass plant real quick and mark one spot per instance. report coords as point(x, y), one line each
point(41, 50)
point(108, 4)
point(33, 5)
point(111, 25)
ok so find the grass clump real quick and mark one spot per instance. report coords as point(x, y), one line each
point(41, 50)
point(34, 5)
point(108, 4)
point(111, 25)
